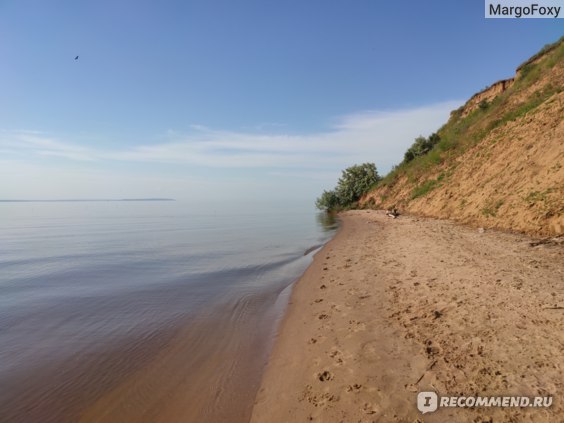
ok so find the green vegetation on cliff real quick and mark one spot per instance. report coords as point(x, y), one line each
point(497, 162)
point(463, 131)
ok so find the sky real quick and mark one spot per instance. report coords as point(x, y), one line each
point(234, 100)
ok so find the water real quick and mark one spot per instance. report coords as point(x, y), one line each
point(142, 311)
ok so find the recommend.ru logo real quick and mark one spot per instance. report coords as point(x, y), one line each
point(427, 402)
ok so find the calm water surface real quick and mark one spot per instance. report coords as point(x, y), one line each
point(142, 311)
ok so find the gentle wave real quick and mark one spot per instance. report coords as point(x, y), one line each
point(116, 309)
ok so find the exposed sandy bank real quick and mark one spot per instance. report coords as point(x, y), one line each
point(500, 167)
point(391, 307)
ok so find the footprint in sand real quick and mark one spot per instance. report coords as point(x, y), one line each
point(356, 326)
point(369, 408)
point(352, 291)
point(315, 399)
point(325, 376)
point(354, 388)
point(336, 307)
point(336, 354)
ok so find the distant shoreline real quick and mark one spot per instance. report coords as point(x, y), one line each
point(87, 200)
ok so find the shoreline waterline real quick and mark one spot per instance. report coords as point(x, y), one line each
point(141, 312)
point(232, 391)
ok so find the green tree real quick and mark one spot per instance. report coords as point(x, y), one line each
point(355, 182)
point(420, 147)
point(329, 200)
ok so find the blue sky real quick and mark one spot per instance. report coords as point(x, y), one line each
point(234, 99)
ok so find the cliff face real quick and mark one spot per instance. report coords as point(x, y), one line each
point(486, 95)
point(500, 162)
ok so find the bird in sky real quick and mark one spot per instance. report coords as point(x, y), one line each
point(76, 58)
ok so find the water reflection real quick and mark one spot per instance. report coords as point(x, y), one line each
point(327, 221)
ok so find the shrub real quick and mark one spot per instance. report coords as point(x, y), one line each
point(356, 181)
point(352, 185)
point(329, 200)
point(421, 146)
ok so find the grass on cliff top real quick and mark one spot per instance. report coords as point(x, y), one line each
point(460, 134)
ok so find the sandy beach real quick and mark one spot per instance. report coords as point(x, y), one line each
point(393, 307)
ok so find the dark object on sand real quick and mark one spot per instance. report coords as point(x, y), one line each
point(557, 240)
point(76, 58)
point(392, 213)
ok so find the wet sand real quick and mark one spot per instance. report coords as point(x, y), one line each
point(206, 369)
point(392, 307)
point(202, 374)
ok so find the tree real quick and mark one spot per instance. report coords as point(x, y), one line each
point(353, 184)
point(421, 146)
point(356, 181)
point(329, 200)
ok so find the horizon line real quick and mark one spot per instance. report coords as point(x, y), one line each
point(78, 200)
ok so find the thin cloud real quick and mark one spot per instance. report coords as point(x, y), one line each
point(378, 136)
point(39, 144)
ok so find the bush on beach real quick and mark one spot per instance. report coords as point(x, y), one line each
point(354, 182)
